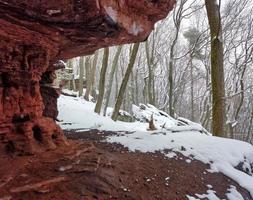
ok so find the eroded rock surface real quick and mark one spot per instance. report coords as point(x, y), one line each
point(34, 34)
point(22, 125)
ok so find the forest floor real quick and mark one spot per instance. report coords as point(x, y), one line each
point(94, 169)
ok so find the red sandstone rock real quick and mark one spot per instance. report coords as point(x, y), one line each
point(36, 33)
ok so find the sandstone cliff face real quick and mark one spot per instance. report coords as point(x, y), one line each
point(34, 34)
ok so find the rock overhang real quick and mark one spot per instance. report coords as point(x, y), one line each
point(34, 34)
point(71, 28)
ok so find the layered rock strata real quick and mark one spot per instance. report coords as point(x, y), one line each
point(34, 34)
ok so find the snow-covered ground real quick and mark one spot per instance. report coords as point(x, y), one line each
point(232, 194)
point(76, 113)
point(222, 154)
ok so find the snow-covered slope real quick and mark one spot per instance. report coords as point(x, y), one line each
point(76, 113)
point(183, 136)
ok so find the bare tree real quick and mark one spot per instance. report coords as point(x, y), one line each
point(125, 81)
point(102, 81)
point(91, 88)
point(81, 74)
point(88, 77)
point(110, 80)
point(217, 69)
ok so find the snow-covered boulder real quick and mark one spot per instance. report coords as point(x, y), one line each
point(163, 120)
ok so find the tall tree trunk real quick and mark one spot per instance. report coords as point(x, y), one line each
point(112, 72)
point(144, 92)
point(171, 86)
point(150, 74)
point(81, 73)
point(70, 65)
point(102, 81)
point(132, 92)
point(88, 78)
point(170, 72)
point(217, 71)
point(116, 83)
point(136, 87)
point(240, 102)
point(125, 81)
point(93, 73)
point(177, 18)
point(249, 132)
point(192, 88)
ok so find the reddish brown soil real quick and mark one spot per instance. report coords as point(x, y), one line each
point(92, 169)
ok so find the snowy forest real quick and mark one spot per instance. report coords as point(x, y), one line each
point(173, 70)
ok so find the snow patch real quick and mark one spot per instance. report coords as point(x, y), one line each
point(209, 196)
point(233, 194)
point(171, 155)
point(76, 113)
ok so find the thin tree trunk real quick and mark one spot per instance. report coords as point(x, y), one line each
point(93, 73)
point(171, 85)
point(81, 73)
point(170, 75)
point(144, 92)
point(192, 89)
point(132, 95)
point(150, 75)
point(125, 81)
point(102, 81)
point(217, 69)
point(249, 132)
point(88, 78)
point(116, 83)
point(136, 87)
point(112, 72)
point(70, 65)
point(237, 112)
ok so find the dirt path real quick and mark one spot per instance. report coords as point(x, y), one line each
point(97, 170)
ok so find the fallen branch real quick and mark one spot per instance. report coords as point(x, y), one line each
point(32, 187)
